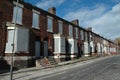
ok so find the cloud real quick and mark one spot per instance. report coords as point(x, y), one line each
point(45, 4)
point(85, 14)
point(108, 24)
point(104, 22)
point(116, 1)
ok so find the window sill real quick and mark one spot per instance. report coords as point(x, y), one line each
point(49, 31)
point(35, 27)
point(17, 23)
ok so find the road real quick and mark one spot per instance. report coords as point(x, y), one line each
point(106, 69)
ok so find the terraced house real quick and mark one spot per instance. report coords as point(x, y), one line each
point(40, 34)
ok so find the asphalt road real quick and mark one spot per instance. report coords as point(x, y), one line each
point(106, 69)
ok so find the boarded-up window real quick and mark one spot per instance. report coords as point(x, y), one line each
point(86, 47)
point(56, 44)
point(72, 46)
point(60, 27)
point(62, 45)
point(76, 33)
point(35, 22)
point(22, 40)
point(70, 30)
point(50, 24)
point(9, 43)
point(82, 34)
point(17, 14)
point(59, 44)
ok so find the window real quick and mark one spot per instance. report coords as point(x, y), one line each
point(76, 33)
point(82, 35)
point(70, 30)
point(17, 14)
point(86, 47)
point(50, 24)
point(9, 43)
point(21, 40)
point(90, 36)
point(86, 36)
point(59, 44)
point(72, 46)
point(35, 22)
point(98, 47)
point(60, 27)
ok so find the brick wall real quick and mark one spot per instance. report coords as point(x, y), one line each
point(6, 11)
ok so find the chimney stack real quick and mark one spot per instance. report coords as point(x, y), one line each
point(76, 22)
point(89, 29)
point(52, 10)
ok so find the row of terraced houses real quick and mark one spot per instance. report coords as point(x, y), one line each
point(40, 34)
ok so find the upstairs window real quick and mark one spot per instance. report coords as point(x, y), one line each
point(76, 33)
point(50, 24)
point(60, 27)
point(70, 30)
point(86, 36)
point(17, 13)
point(82, 34)
point(35, 22)
point(91, 36)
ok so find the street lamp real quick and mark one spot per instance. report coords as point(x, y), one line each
point(11, 67)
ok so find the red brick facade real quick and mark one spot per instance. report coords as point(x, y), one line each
point(41, 34)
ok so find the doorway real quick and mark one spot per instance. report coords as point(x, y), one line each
point(37, 48)
point(45, 48)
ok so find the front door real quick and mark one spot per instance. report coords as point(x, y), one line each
point(45, 48)
point(37, 48)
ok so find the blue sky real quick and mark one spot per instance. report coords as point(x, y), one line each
point(102, 15)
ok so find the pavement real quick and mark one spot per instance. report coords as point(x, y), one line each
point(31, 73)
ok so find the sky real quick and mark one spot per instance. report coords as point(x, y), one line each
point(102, 15)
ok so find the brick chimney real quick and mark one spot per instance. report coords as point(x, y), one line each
point(76, 22)
point(89, 29)
point(52, 10)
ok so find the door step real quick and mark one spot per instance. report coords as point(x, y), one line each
point(52, 61)
point(42, 63)
point(46, 62)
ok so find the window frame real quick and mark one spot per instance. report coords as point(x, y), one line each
point(33, 17)
point(60, 27)
point(51, 24)
point(76, 29)
point(16, 8)
point(82, 37)
point(71, 30)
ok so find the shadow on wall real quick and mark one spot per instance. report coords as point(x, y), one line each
point(4, 66)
